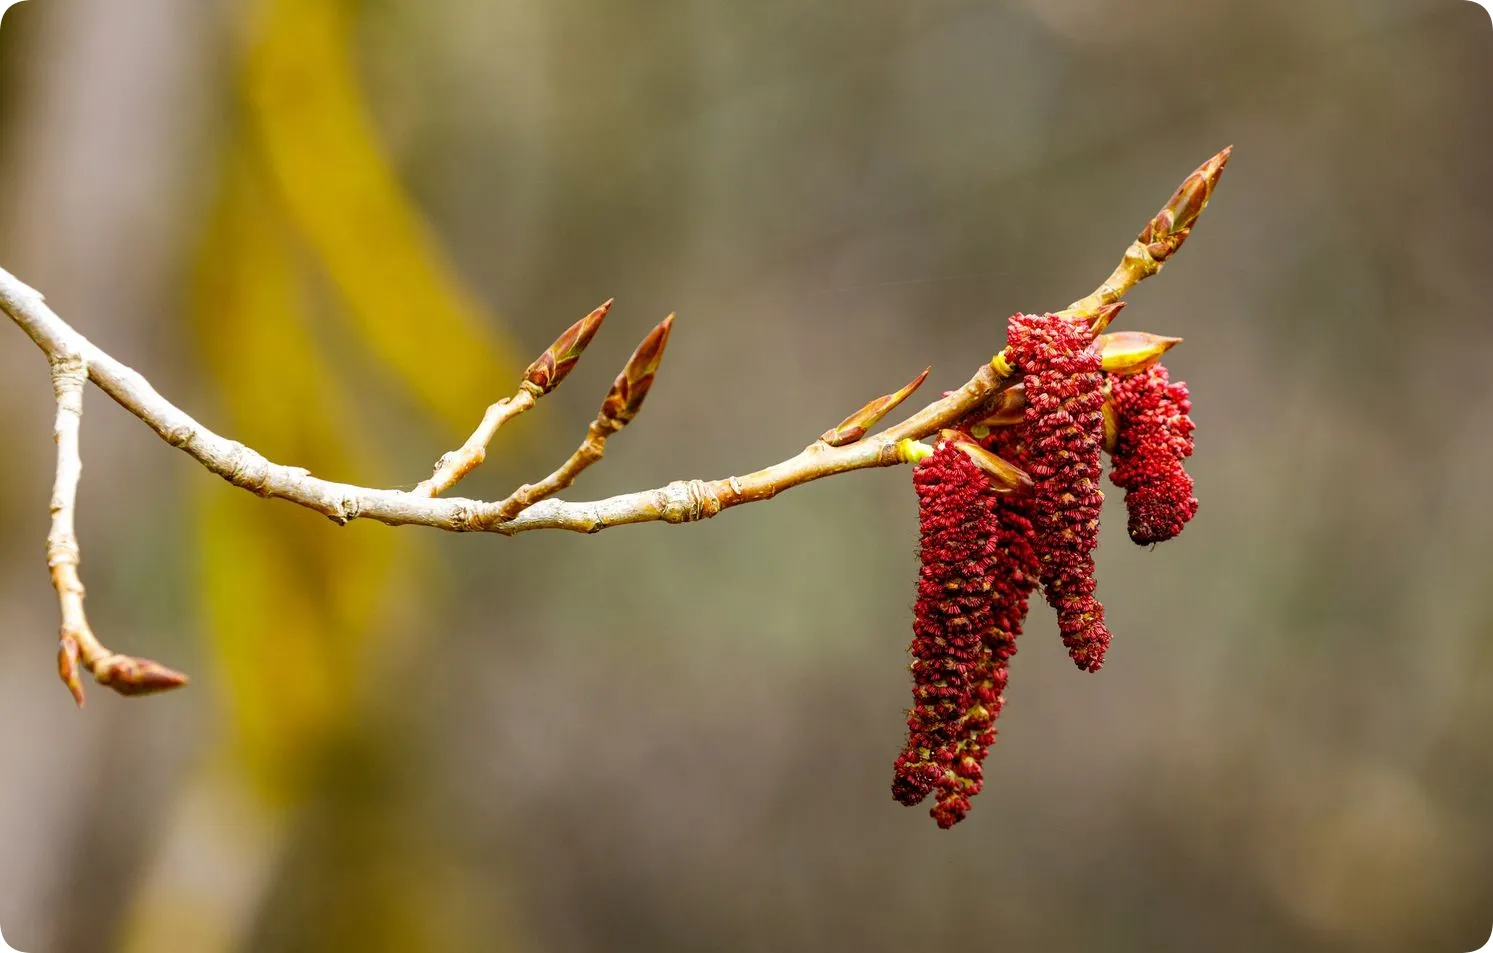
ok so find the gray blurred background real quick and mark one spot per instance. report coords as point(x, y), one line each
point(680, 738)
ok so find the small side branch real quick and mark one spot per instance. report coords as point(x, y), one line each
point(76, 640)
point(78, 648)
point(543, 376)
point(621, 405)
point(469, 456)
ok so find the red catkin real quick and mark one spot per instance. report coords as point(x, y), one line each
point(1064, 436)
point(1154, 436)
point(970, 606)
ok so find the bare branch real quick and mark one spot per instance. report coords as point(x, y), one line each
point(620, 406)
point(342, 502)
point(77, 645)
point(992, 397)
point(76, 640)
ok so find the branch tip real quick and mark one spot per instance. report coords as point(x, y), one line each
point(550, 368)
point(858, 424)
point(1160, 238)
point(131, 676)
point(67, 667)
point(625, 399)
point(618, 408)
point(1164, 234)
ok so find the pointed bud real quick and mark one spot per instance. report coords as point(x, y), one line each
point(1004, 477)
point(136, 676)
point(1104, 314)
point(67, 667)
point(1130, 352)
point(856, 426)
point(550, 368)
point(1165, 233)
point(1098, 318)
point(625, 399)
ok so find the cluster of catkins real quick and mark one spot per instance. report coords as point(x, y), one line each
point(989, 540)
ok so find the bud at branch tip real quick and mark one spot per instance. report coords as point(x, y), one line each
point(550, 368)
point(856, 426)
point(625, 399)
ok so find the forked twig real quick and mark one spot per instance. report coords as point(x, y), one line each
point(990, 396)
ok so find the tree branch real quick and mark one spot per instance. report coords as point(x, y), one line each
point(840, 450)
point(77, 646)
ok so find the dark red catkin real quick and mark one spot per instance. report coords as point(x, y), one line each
point(970, 606)
point(1153, 437)
point(1064, 436)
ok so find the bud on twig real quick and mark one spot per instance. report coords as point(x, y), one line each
point(1104, 314)
point(625, 399)
point(1165, 233)
point(1130, 352)
point(1005, 477)
point(1098, 317)
point(550, 368)
point(856, 426)
point(67, 667)
point(136, 676)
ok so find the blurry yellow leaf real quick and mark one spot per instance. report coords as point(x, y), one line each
point(406, 301)
point(290, 601)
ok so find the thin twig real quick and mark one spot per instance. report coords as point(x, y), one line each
point(77, 645)
point(464, 459)
point(76, 639)
point(543, 376)
point(620, 406)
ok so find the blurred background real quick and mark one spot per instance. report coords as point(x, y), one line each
point(336, 230)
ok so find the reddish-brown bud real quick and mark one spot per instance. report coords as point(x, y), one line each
point(1063, 435)
point(1153, 437)
point(1164, 234)
point(550, 368)
point(136, 676)
point(625, 399)
point(858, 424)
point(67, 667)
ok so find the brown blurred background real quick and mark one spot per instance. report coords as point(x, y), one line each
point(336, 230)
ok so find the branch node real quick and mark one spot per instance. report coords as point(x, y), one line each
point(687, 501)
point(179, 436)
